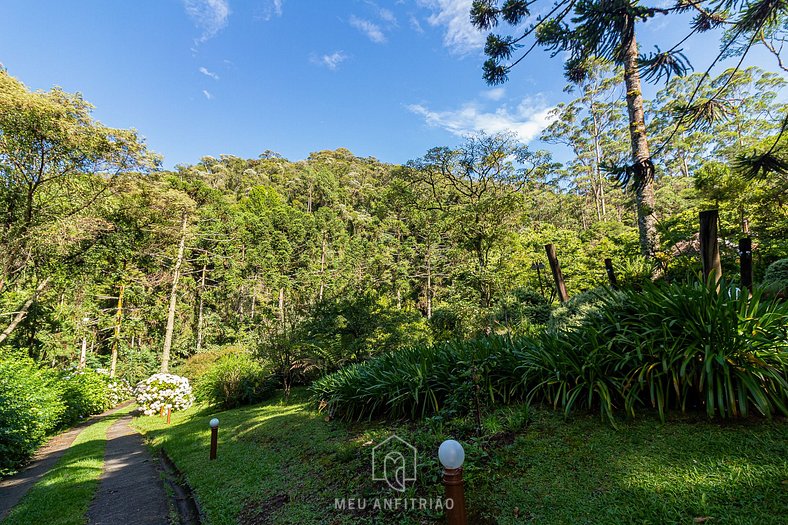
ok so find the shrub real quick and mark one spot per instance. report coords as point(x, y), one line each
point(693, 344)
point(163, 391)
point(776, 277)
point(119, 391)
point(235, 380)
point(30, 407)
point(84, 393)
point(422, 380)
point(199, 364)
point(522, 309)
point(572, 314)
point(670, 347)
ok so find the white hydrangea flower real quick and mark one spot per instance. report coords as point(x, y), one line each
point(164, 391)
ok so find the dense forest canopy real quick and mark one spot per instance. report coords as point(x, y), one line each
point(334, 258)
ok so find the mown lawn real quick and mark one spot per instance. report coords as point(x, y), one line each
point(63, 495)
point(283, 464)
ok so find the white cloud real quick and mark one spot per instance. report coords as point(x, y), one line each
point(415, 24)
point(494, 93)
point(207, 73)
point(207, 94)
point(387, 16)
point(527, 119)
point(370, 29)
point(210, 16)
point(268, 10)
point(460, 36)
point(331, 61)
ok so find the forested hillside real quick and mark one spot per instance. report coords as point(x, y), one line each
point(328, 260)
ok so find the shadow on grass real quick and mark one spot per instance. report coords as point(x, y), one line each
point(65, 492)
point(580, 471)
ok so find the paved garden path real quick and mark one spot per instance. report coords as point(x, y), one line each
point(14, 488)
point(131, 491)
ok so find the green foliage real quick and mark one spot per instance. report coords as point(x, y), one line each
point(776, 277)
point(84, 392)
point(572, 313)
point(235, 379)
point(521, 309)
point(30, 407)
point(675, 347)
point(670, 347)
point(419, 381)
point(695, 344)
point(197, 365)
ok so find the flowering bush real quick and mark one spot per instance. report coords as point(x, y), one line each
point(119, 391)
point(164, 391)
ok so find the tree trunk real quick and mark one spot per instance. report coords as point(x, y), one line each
point(165, 355)
point(23, 311)
point(429, 285)
point(322, 267)
point(641, 158)
point(200, 311)
point(282, 308)
point(83, 355)
point(118, 321)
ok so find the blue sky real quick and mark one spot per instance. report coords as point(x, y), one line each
point(210, 77)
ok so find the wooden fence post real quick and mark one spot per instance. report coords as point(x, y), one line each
point(555, 266)
point(745, 262)
point(611, 275)
point(709, 245)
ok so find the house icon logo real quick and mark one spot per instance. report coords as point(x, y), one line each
point(394, 461)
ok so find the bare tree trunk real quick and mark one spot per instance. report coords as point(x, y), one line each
point(282, 307)
point(200, 311)
point(322, 267)
point(83, 355)
point(118, 321)
point(165, 355)
point(429, 286)
point(641, 158)
point(23, 311)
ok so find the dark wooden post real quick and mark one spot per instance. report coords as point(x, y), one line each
point(214, 424)
point(745, 262)
point(611, 275)
point(455, 491)
point(709, 245)
point(558, 277)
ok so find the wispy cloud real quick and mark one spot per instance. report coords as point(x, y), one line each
point(331, 61)
point(210, 16)
point(204, 71)
point(415, 24)
point(207, 94)
point(494, 93)
point(460, 36)
point(370, 29)
point(387, 16)
point(268, 10)
point(527, 119)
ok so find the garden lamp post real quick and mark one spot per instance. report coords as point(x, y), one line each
point(214, 424)
point(452, 456)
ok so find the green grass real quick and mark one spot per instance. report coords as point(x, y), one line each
point(285, 465)
point(63, 495)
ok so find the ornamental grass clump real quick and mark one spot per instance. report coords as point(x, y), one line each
point(163, 391)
